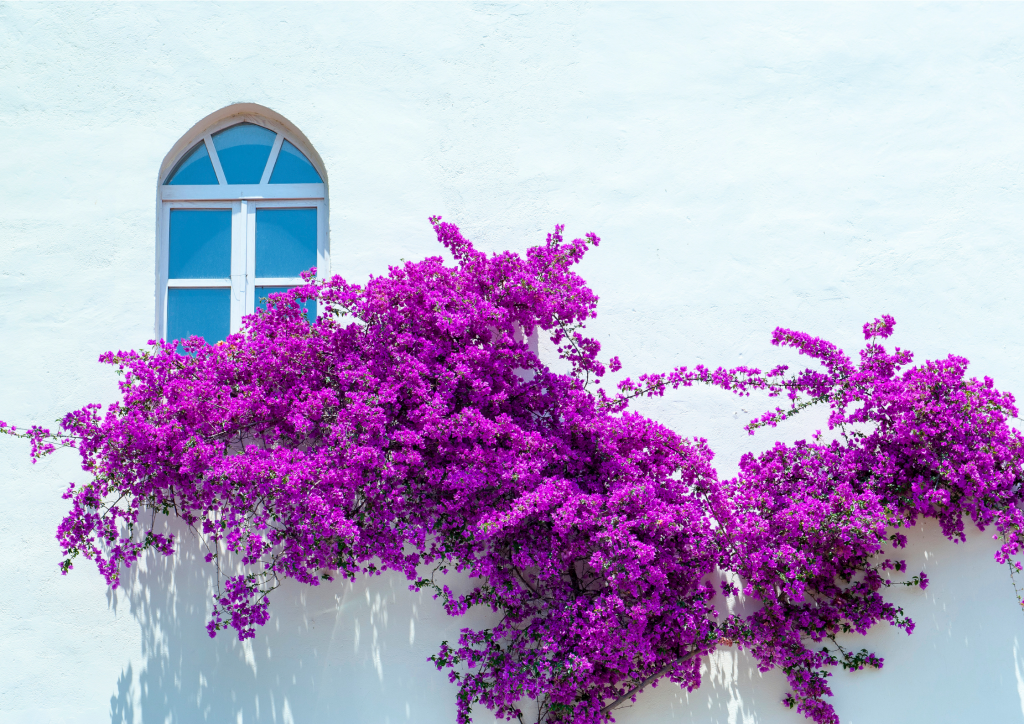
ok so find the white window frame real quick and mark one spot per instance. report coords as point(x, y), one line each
point(243, 200)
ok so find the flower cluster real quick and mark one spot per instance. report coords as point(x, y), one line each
point(412, 427)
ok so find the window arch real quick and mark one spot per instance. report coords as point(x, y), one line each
point(242, 213)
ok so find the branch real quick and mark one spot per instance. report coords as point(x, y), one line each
point(646, 682)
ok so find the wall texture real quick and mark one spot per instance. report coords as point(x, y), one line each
point(746, 166)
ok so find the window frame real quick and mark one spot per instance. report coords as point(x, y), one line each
point(243, 200)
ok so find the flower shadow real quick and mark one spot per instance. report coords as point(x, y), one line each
point(341, 651)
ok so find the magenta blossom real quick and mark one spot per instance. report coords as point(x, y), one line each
point(411, 427)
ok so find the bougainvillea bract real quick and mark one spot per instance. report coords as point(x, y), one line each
point(412, 427)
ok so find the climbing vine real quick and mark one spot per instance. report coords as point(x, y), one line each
point(412, 428)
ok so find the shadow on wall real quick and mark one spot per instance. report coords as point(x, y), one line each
point(340, 652)
point(963, 663)
point(357, 653)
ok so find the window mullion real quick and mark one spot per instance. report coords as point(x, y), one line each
point(215, 159)
point(163, 251)
point(323, 252)
point(250, 257)
point(274, 153)
point(239, 293)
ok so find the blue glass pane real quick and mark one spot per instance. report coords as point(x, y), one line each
point(293, 167)
point(263, 293)
point(200, 244)
point(285, 241)
point(195, 169)
point(243, 151)
point(204, 313)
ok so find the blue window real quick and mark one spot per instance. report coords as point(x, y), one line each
point(285, 242)
point(200, 244)
point(263, 298)
point(195, 169)
point(243, 216)
point(243, 151)
point(198, 312)
point(293, 167)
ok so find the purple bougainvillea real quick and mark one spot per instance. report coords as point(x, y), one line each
point(412, 428)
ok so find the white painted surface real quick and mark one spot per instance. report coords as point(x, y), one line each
point(746, 166)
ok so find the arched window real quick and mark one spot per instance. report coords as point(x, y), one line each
point(243, 212)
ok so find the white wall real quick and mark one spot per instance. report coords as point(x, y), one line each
point(746, 166)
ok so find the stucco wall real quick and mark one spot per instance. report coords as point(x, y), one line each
point(746, 166)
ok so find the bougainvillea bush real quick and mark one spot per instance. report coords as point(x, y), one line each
point(411, 427)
